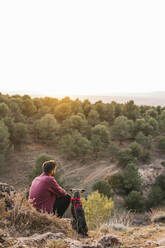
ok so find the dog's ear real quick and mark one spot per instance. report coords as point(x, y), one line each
point(83, 190)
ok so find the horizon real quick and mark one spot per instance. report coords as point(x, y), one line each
point(143, 93)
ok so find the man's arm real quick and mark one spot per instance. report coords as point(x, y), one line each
point(55, 188)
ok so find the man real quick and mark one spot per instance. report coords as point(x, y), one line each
point(46, 194)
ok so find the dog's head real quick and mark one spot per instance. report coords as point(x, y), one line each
point(77, 192)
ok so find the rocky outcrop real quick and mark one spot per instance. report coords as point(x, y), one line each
point(41, 240)
point(159, 218)
point(6, 188)
point(149, 173)
point(6, 192)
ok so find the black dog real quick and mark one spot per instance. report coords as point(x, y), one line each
point(78, 221)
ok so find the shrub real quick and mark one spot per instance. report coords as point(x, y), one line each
point(136, 149)
point(20, 134)
point(45, 129)
point(113, 150)
point(62, 111)
point(28, 107)
point(131, 179)
point(160, 181)
point(102, 187)
point(4, 110)
point(100, 138)
point(116, 183)
point(161, 143)
point(74, 122)
point(155, 197)
point(97, 209)
point(122, 128)
point(163, 163)
point(125, 157)
point(4, 142)
point(146, 157)
point(126, 182)
point(135, 201)
point(75, 146)
point(144, 140)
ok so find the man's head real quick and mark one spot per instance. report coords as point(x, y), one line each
point(49, 167)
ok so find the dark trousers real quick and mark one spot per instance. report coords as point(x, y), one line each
point(61, 204)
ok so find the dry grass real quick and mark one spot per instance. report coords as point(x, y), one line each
point(156, 213)
point(24, 220)
point(122, 217)
point(59, 243)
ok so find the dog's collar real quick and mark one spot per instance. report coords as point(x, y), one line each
point(75, 200)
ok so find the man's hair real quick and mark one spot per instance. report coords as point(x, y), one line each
point(48, 166)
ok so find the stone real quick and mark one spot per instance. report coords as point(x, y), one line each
point(37, 240)
point(159, 218)
point(6, 188)
point(109, 241)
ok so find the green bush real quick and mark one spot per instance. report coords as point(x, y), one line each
point(93, 117)
point(127, 181)
point(97, 209)
point(135, 201)
point(20, 134)
point(163, 163)
point(62, 111)
point(116, 183)
point(146, 157)
point(145, 141)
point(100, 139)
point(131, 179)
point(45, 129)
point(122, 128)
point(113, 150)
point(102, 187)
point(4, 142)
point(4, 110)
point(156, 196)
point(74, 146)
point(160, 181)
point(125, 157)
point(136, 149)
point(161, 143)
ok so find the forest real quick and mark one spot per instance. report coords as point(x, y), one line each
point(126, 134)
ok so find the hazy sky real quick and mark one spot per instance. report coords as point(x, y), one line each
point(82, 47)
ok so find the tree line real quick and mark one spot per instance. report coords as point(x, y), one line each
point(80, 129)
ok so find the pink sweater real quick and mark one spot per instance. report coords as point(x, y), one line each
point(43, 192)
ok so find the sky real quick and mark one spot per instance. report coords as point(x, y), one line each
point(70, 47)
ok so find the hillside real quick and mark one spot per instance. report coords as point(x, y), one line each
point(47, 231)
point(76, 173)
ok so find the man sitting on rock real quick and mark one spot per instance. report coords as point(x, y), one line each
point(46, 194)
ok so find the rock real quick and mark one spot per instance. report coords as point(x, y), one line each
point(5, 188)
point(159, 218)
point(5, 192)
point(37, 240)
point(106, 241)
point(141, 220)
point(161, 242)
point(109, 241)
